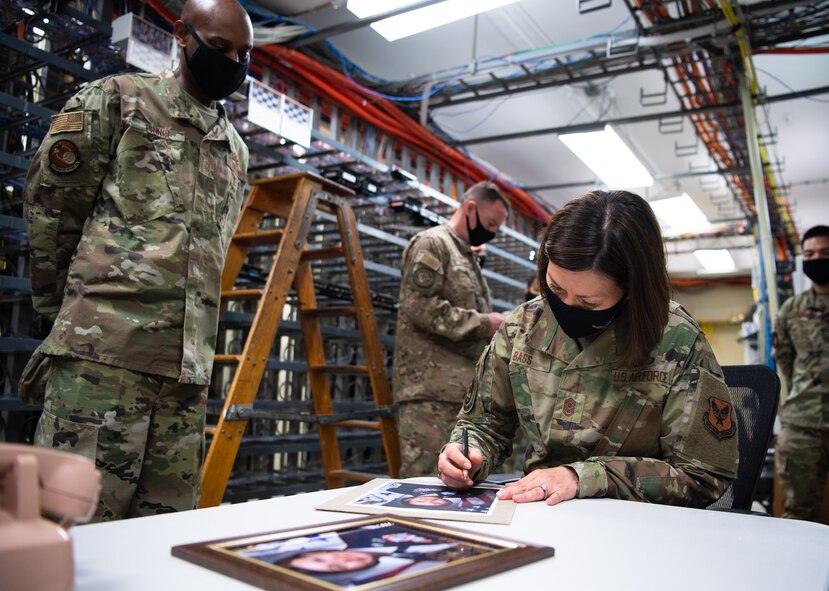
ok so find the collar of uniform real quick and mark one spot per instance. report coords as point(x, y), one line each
point(546, 335)
point(463, 245)
point(182, 107)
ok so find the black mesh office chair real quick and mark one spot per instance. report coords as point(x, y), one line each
point(755, 390)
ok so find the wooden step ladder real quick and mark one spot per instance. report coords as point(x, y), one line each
point(295, 198)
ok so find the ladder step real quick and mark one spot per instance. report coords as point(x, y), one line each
point(258, 238)
point(227, 358)
point(242, 294)
point(328, 312)
point(357, 424)
point(339, 368)
point(315, 254)
point(354, 475)
point(210, 430)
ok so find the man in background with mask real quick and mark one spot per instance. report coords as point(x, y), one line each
point(130, 203)
point(444, 321)
point(801, 348)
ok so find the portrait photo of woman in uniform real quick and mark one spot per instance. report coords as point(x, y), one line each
point(613, 384)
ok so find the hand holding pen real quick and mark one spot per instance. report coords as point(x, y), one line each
point(459, 463)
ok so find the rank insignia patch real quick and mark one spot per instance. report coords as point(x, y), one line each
point(64, 157)
point(569, 407)
point(718, 418)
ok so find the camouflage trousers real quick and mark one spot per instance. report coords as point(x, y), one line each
point(145, 434)
point(425, 426)
point(802, 460)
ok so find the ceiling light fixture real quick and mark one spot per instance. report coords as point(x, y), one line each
point(421, 19)
point(680, 215)
point(609, 158)
point(715, 260)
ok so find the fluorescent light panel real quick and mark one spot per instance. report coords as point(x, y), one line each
point(715, 260)
point(367, 8)
point(422, 19)
point(609, 158)
point(680, 215)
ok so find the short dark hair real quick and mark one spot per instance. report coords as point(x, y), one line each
point(814, 232)
point(615, 233)
point(485, 192)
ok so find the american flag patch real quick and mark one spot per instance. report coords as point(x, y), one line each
point(64, 122)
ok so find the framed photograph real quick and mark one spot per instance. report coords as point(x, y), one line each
point(371, 553)
point(426, 498)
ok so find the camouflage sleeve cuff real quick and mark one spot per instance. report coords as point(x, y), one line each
point(592, 479)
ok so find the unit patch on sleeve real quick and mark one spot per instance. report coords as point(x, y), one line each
point(424, 277)
point(64, 122)
point(718, 418)
point(64, 157)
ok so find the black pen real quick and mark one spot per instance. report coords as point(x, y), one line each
point(465, 449)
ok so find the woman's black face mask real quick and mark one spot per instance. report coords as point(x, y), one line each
point(215, 73)
point(578, 323)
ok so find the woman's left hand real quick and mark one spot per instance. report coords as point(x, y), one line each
point(551, 484)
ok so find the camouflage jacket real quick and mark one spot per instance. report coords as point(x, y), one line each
point(442, 320)
point(130, 203)
point(801, 348)
point(662, 433)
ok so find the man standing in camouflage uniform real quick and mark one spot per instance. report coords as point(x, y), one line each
point(801, 348)
point(130, 203)
point(443, 323)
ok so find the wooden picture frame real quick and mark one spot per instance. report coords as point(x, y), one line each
point(382, 552)
point(397, 497)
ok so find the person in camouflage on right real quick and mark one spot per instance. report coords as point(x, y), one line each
point(443, 323)
point(801, 349)
point(614, 385)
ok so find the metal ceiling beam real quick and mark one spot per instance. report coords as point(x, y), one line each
point(656, 177)
point(355, 25)
point(595, 125)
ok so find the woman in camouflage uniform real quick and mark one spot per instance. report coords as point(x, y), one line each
point(614, 385)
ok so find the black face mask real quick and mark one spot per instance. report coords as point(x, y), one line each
point(478, 235)
point(528, 295)
point(578, 323)
point(215, 73)
point(817, 270)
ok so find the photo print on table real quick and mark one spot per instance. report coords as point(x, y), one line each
point(425, 498)
point(371, 553)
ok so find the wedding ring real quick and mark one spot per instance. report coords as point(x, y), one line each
point(543, 486)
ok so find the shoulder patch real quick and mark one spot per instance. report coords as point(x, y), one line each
point(424, 277)
point(469, 399)
point(429, 260)
point(66, 122)
point(718, 419)
point(64, 157)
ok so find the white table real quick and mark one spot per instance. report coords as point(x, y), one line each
point(599, 544)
